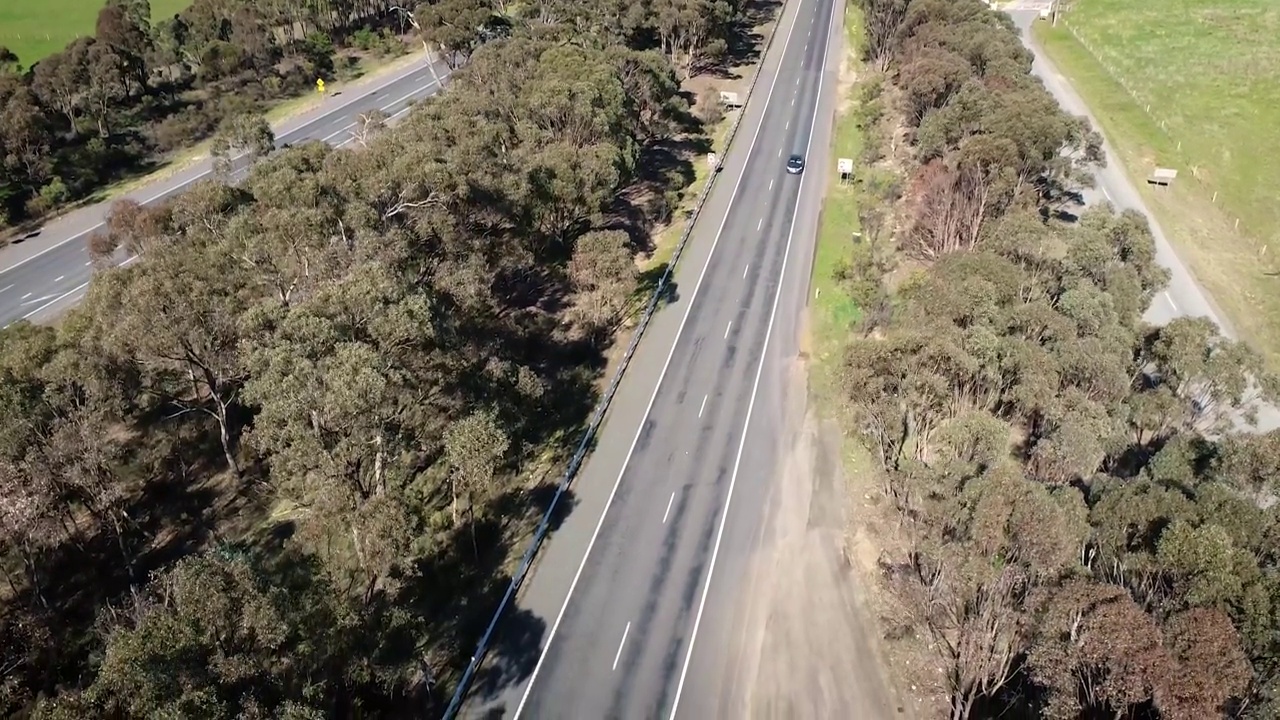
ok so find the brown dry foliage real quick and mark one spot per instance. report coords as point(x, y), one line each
point(948, 207)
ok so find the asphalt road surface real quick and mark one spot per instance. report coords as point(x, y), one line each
point(1184, 296)
point(45, 274)
point(668, 509)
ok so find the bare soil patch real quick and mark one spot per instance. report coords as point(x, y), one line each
point(812, 649)
point(874, 537)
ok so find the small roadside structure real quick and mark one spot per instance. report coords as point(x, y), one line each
point(845, 167)
point(1162, 177)
point(730, 99)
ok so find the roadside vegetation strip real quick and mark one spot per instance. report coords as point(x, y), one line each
point(1190, 85)
point(850, 260)
point(835, 312)
point(1026, 420)
point(834, 320)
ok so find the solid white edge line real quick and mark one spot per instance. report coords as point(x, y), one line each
point(393, 103)
point(195, 179)
point(174, 191)
point(55, 300)
point(542, 656)
point(621, 645)
point(755, 388)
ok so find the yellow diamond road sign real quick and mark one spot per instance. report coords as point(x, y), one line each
point(319, 85)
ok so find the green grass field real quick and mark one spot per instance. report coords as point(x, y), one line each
point(1207, 70)
point(34, 29)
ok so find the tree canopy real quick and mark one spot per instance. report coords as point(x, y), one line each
point(1091, 517)
point(141, 87)
point(275, 467)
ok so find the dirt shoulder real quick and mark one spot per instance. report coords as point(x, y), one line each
point(811, 647)
point(836, 525)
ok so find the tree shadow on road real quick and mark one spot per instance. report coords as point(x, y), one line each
point(477, 586)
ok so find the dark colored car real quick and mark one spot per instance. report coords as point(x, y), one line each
point(795, 164)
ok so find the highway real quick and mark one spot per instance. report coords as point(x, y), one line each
point(631, 611)
point(45, 274)
point(1184, 296)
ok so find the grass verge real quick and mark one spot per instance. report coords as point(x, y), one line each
point(872, 530)
point(832, 309)
point(1190, 84)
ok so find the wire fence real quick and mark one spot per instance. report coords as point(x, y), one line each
point(8, 37)
point(1151, 108)
point(597, 417)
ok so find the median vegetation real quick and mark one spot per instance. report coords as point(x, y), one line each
point(1079, 520)
point(279, 466)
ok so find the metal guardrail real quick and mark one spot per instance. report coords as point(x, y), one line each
point(597, 417)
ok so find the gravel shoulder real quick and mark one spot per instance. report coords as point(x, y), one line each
point(809, 643)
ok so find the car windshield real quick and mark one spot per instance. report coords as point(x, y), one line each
point(795, 160)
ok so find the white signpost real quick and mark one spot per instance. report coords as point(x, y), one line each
point(845, 167)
